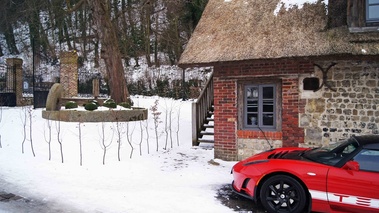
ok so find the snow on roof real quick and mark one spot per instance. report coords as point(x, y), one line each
point(287, 4)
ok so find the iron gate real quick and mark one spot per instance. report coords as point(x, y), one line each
point(7, 85)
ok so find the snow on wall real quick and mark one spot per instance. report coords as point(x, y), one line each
point(292, 3)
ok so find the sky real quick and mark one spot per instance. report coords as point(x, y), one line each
point(180, 178)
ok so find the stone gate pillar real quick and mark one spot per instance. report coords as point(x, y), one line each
point(69, 74)
point(16, 63)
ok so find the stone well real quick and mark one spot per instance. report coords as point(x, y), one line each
point(54, 112)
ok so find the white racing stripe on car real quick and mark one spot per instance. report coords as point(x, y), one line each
point(345, 199)
point(319, 195)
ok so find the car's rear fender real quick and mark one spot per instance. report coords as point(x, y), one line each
point(264, 178)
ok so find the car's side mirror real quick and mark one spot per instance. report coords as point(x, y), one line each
point(351, 165)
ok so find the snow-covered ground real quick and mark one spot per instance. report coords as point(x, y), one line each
point(180, 178)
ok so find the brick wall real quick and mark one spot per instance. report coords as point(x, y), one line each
point(225, 119)
point(69, 73)
point(17, 63)
point(291, 106)
point(233, 142)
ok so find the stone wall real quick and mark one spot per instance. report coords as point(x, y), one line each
point(349, 106)
point(249, 147)
point(352, 109)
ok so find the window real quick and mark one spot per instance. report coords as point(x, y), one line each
point(372, 11)
point(368, 160)
point(259, 106)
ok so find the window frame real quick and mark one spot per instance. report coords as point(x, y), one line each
point(260, 103)
point(370, 21)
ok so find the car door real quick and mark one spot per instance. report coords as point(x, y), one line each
point(355, 190)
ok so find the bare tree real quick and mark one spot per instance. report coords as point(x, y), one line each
point(110, 49)
point(59, 138)
point(8, 16)
point(141, 138)
point(24, 123)
point(48, 137)
point(80, 144)
point(103, 141)
point(30, 114)
point(178, 125)
point(169, 111)
point(166, 126)
point(129, 138)
point(119, 132)
point(156, 114)
point(27, 115)
point(147, 136)
point(1, 118)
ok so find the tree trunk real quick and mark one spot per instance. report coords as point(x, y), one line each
point(9, 38)
point(147, 13)
point(110, 50)
point(1, 54)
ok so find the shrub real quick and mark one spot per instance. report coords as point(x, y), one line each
point(71, 105)
point(125, 104)
point(110, 104)
point(109, 100)
point(95, 102)
point(90, 106)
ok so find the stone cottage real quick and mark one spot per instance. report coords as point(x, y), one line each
point(288, 75)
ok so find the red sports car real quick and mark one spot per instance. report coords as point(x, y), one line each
point(343, 177)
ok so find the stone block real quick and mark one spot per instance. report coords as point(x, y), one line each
point(315, 106)
point(305, 120)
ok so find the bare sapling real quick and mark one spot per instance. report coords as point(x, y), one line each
point(27, 115)
point(156, 119)
point(170, 111)
point(178, 124)
point(129, 138)
point(1, 118)
point(30, 114)
point(80, 143)
point(23, 121)
point(166, 128)
point(146, 126)
point(168, 124)
point(119, 133)
point(119, 129)
point(59, 138)
point(141, 138)
point(48, 135)
point(103, 141)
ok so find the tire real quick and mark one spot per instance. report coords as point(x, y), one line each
point(282, 193)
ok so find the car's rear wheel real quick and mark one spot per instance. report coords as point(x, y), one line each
point(282, 193)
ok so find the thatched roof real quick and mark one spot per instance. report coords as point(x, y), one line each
point(233, 30)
